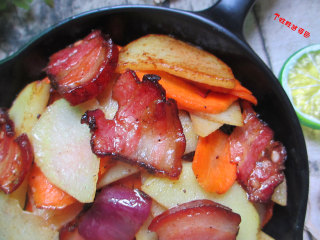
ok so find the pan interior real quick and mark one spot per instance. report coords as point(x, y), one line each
point(128, 23)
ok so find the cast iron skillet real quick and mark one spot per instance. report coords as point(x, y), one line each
point(217, 30)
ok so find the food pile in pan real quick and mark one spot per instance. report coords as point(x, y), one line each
point(153, 140)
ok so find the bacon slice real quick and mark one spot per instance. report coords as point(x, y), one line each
point(82, 70)
point(16, 155)
point(199, 219)
point(260, 159)
point(146, 130)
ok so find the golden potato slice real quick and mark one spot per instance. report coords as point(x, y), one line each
point(21, 192)
point(118, 171)
point(280, 194)
point(231, 116)
point(29, 105)
point(263, 236)
point(62, 149)
point(18, 224)
point(170, 193)
point(188, 131)
point(203, 127)
point(106, 103)
point(57, 218)
point(157, 209)
point(144, 233)
point(161, 52)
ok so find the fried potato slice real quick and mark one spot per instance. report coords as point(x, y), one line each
point(206, 123)
point(170, 193)
point(280, 194)
point(161, 52)
point(144, 233)
point(29, 105)
point(188, 131)
point(62, 149)
point(18, 224)
point(231, 116)
point(119, 171)
point(263, 236)
point(204, 127)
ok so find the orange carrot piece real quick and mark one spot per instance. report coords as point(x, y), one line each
point(105, 164)
point(211, 163)
point(46, 195)
point(55, 217)
point(238, 90)
point(46, 80)
point(203, 89)
point(188, 96)
point(200, 91)
point(245, 96)
point(237, 87)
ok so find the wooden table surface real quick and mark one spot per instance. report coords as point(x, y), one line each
point(272, 41)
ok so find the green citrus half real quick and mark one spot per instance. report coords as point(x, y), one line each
point(300, 78)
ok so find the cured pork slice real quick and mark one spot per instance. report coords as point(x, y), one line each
point(146, 130)
point(16, 155)
point(199, 219)
point(260, 159)
point(82, 70)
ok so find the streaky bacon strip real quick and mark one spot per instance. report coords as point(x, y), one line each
point(16, 155)
point(81, 71)
point(199, 219)
point(260, 159)
point(146, 130)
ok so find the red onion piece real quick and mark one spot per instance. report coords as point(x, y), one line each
point(117, 214)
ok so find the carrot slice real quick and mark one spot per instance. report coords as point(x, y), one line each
point(56, 218)
point(190, 97)
point(119, 47)
point(237, 87)
point(46, 195)
point(201, 89)
point(246, 96)
point(238, 91)
point(211, 163)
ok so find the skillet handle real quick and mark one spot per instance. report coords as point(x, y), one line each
point(230, 14)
